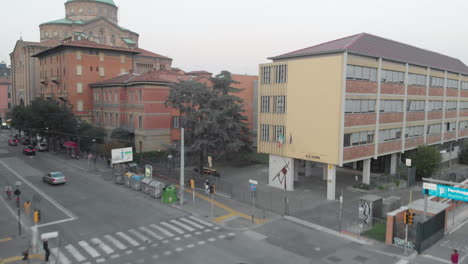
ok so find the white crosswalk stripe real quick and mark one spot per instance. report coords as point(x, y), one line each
point(151, 233)
point(58, 255)
point(75, 253)
point(184, 226)
point(140, 236)
point(128, 239)
point(192, 223)
point(91, 251)
point(102, 246)
point(201, 221)
point(116, 243)
point(178, 230)
point(162, 230)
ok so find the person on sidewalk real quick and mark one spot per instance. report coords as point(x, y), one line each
point(454, 257)
point(27, 206)
point(207, 187)
point(8, 190)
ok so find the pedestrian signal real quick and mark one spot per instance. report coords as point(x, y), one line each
point(37, 216)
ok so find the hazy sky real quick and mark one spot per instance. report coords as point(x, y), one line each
point(238, 35)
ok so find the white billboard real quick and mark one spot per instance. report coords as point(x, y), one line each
point(122, 155)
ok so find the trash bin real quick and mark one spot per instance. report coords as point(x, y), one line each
point(118, 179)
point(169, 194)
point(135, 182)
point(127, 177)
point(155, 188)
point(145, 184)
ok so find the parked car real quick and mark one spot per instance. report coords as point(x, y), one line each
point(55, 177)
point(13, 142)
point(43, 147)
point(29, 150)
point(26, 141)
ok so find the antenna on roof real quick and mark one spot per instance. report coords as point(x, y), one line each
point(21, 35)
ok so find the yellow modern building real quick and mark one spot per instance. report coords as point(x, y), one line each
point(361, 99)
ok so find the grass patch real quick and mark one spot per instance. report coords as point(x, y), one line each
point(259, 157)
point(377, 232)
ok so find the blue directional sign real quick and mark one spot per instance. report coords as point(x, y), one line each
point(253, 187)
point(446, 192)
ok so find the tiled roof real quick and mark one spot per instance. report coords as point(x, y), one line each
point(46, 43)
point(147, 53)
point(65, 21)
point(370, 45)
point(165, 76)
point(85, 44)
point(110, 2)
point(199, 72)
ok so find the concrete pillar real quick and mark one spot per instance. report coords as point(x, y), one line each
point(366, 171)
point(393, 163)
point(331, 182)
point(355, 165)
point(325, 172)
point(308, 168)
point(297, 166)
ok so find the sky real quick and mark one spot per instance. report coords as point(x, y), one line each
point(239, 35)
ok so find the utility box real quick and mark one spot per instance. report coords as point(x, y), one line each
point(370, 206)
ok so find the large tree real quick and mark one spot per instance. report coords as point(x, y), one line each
point(212, 117)
point(427, 160)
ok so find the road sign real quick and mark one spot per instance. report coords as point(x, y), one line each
point(445, 191)
point(49, 235)
point(253, 182)
point(253, 187)
point(122, 155)
point(148, 171)
point(408, 162)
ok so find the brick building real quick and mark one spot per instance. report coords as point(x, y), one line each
point(5, 71)
point(5, 97)
point(361, 100)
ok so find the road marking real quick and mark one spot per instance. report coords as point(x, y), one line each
point(177, 238)
point(139, 236)
point(128, 252)
point(190, 245)
point(436, 258)
point(100, 260)
point(223, 217)
point(155, 256)
point(162, 230)
point(60, 256)
point(222, 236)
point(201, 221)
point(5, 239)
point(142, 248)
point(231, 234)
point(154, 245)
point(115, 242)
point(207, 230)
point(197, 233)
point(19, 258)
point(211, 239)
point(151, 233)
point(187, 235)
point(102, 246)
point(166, 241)
point(216, 228)
point(402, 261)
point(186, 227)
point(91, 251)
point(128, 239)
point(114, 256)
point(167, 253)
point(201, 242)
point(192, 223)
point(75, 253)
point(178, 230)
point(179, 249)
point(57, 222)
point(39, 191)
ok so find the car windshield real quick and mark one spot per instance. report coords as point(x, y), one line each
point(56, 174)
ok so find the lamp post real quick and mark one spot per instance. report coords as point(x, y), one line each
point(169, 158)
point(17, 194)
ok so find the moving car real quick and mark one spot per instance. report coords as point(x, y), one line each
point(26, 142)
point(29, 150)
point(43, 147)
point(13, 142)
point(55, 177)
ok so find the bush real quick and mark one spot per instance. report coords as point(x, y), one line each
point(397, 183)
point(380, 187)
point(377, 232)
point(427, 160)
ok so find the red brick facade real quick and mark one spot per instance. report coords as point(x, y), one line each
point(431, 139)
point(452, 92)
point(5, 97)
point(390, 88)
point(436, 91)
point(357, 152)
point(450, 135)
point(359, 119)
point(353, 86)
point(415, 116)
point(463, 133)
point(464, 93)
point(434, 115)
point(414, 142)
point(450, 114)
point(391, 146)
point(416, 90)
point(386, 118)
point(463, 113)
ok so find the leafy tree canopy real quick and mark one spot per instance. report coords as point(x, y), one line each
point(427, 160)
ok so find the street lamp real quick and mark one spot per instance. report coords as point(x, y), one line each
point(169, 157)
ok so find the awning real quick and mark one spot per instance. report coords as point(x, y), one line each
point(70, 144)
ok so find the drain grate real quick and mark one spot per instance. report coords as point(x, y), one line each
point(334, 259)
point(361, 259)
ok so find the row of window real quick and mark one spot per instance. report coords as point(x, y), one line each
point(359, 106)
point(392, 76)
point(415, 106)
point(79, 70)
point(107, 95)
point(112, 119)
point(279, 104)
point(278, 133)
point(366, 106)
point(280, 71)
point(367, 137)
point(101, 56)
point(361, 73)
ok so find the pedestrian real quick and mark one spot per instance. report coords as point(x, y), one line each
point(454, 257)
point(8, 190)
point(27, 206)
point(207, 187)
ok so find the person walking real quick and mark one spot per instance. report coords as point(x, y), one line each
point(8, 190)
point(27, 206)
point(207, 187)
point(454, 257)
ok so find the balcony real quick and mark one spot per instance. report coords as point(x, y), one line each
point(44, 81)
point(55, 79)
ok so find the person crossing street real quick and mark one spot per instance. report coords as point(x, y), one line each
point(8, 190)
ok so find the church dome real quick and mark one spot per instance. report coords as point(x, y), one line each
point(110, 2)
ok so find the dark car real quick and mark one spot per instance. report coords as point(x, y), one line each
point(29, 150)
point(26, 142)
point(13, 142)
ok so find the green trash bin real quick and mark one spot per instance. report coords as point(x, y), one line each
point(169, 194)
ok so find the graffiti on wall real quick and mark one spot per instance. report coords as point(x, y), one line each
point(402, 243)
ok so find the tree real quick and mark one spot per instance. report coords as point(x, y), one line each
point(212, 117)
point(427, 160)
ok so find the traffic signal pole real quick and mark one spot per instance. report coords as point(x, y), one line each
point(182, 166)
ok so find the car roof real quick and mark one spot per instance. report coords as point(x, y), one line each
point(56, 173)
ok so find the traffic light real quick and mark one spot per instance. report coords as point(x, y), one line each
point(212, 188)
point(192, 184)
point(408, 218)
point(37, 216)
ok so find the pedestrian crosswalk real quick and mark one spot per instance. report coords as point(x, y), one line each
point(113, 246)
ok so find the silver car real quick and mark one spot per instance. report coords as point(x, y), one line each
point(43, 147)
point(55, 177)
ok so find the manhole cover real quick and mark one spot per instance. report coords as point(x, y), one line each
point(334, 259)
point(360, 259)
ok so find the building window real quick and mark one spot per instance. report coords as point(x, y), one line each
point(78, 55)
point(265, 104)
point(391, 106)
point(140, 122)
point(434, 129)
point(450, 126)
point(122, 58)
point(116, 95)
point(176, 122)
point(464, 85)
point(101, 56)
point(435, 105)
point(281, 73)
point(415, 106)
point(278, 135)
point(451, 105)
point(360, 73)
point(279, 104)
point(79, 106)
point(452, 84)
point(359, 106)
point(101, 71)
point(358, 138)
point(388, 76)
point(117, 122)
point(463, 125)
point(416, 79)
point(463, 105)
point(79, 70)
point(266, 74)
point(79, 87)
point(265, 133)
point(414, 131)
point(389, 134)
point(436, 82)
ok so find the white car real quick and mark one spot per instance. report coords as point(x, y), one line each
point(55, 177)
point(43, 147)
